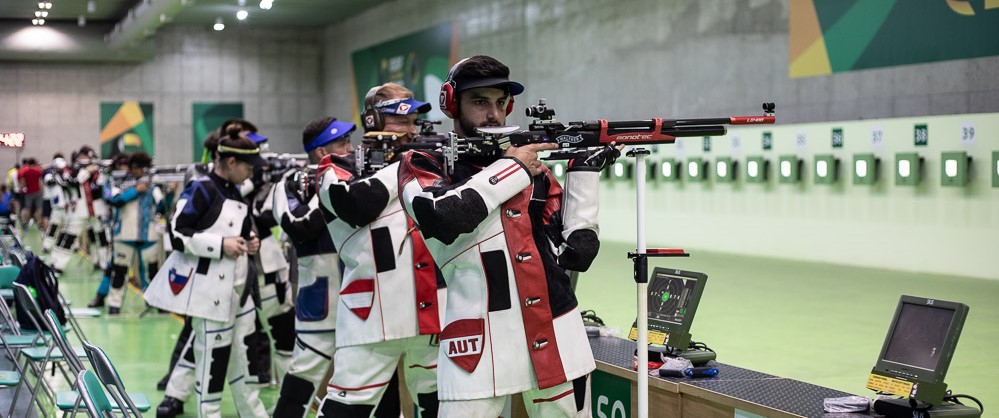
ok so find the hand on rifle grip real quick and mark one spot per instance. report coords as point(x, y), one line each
point(597, 159)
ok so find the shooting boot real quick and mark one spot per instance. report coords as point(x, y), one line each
point(169, 408)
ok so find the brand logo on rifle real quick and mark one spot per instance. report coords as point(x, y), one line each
point(633, 137)
point(569, 139)
point(754, 120)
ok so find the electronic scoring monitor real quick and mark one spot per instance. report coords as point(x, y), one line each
point(918, 348)
point(673, 298)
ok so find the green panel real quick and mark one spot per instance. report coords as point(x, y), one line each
point(954, 169)
point(757, 169)
point(865, 169)
point(994, 168)
point(848, 38)
point(726, 169)
point(921, 135)
point(669, 169)
point(623, 170)
point(610, 396)
point(789, 169)
point(826, 169)
point(768, 140)
point(837, 138)
point(908, 168)
point(652, 170)
point(208, 117)
point(696, 169)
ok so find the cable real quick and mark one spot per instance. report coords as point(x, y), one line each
point(954, 398)
point(591, 316)
point(696, 345)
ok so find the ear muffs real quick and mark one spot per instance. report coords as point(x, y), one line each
point(371, 118)
point(449, 94)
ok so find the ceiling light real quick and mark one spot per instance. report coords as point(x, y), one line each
point(38, 22)
point(241, 3)
point(44, 5)
point(241, 14)
point(39, 13)
point(266, 4)
point(91, 6)
point(81, 21)
point(219, 25)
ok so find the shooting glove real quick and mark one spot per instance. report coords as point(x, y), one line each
point(595, 160)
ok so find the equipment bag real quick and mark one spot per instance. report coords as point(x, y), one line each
point(36, 275)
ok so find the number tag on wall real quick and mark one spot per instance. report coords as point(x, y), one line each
point(800, 141)
point(968, 133)
point(877, 137)
point(837, 138)
point(921, 135)
point(736, 145)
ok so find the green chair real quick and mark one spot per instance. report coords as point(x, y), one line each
point(94, 398)
point(8, 274)
point(136, 402)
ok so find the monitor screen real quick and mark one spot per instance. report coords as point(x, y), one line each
point(919, 336)
point(669, 298)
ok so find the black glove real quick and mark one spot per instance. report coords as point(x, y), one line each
point(299, 186)
point(595, 160)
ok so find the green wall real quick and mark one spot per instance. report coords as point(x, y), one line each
point(928, 227)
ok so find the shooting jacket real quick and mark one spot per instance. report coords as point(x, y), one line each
point(197, 279)
point(504, 242)
point(318, 264)
point(391, 288)
point(135, 213)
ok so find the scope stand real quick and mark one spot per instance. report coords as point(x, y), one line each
point(905, 408)
point(640, 257)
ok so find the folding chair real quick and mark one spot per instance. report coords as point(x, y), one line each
point(38, 358)
point(8, 273)
point(94, 397)
point(108, 374)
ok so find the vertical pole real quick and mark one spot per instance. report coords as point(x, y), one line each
point(641, 269)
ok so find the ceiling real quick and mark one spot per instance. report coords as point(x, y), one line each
point(283, 13)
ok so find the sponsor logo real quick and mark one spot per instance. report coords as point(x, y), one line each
point(493, 180)
point(404, 108)
point(369, 121)
point(569, 139)
point(333, 131)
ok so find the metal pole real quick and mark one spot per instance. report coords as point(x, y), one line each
point(643, 302)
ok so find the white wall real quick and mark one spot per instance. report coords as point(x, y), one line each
point(277, 74)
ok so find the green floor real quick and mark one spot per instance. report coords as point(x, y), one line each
point(820, 323)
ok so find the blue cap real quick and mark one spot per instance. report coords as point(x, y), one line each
point(335, 131)
point(256, 138)
point(402, 106)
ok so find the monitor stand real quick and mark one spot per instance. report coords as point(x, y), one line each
point(899, 408)
point(696, 357)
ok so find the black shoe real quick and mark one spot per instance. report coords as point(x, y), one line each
point(97, 302)
point(114, 311)
point(162, 384)
point(169, 408)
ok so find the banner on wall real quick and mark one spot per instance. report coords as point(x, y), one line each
point(208, 117)
point(126, 127)
point(829, 36)
point(420, 61)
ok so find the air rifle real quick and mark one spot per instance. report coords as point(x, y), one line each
point(574, 138)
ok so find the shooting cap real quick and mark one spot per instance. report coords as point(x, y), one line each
point(402, 106)
point(335, 131)
point(251, 156)
point(256, 138)
point(502, 83)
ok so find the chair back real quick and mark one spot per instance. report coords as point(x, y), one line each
point(109, 375)
point(32, 311)
point(52, 323)
point(92, 392)
point(7, 275)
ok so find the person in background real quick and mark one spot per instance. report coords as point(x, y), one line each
point(15, 189)
point(30, 178)
point(4, 202)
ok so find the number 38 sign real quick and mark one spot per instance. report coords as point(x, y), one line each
point(610, 396)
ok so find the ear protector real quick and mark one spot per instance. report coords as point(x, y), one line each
point(371, 118)
point(449, 94)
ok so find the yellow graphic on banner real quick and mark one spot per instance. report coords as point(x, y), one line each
point(963, 7)
point(886, 384)
point(809, 56)
point(126, 118)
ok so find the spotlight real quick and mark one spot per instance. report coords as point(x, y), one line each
point(219, 24)
point(41, 14)
point(91, 6)
point(266, 4)
point(241, 14)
